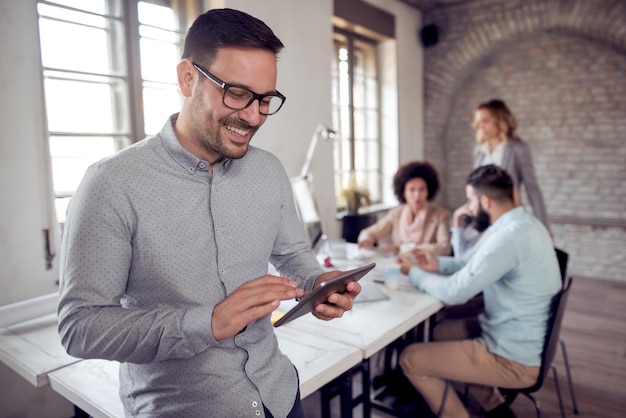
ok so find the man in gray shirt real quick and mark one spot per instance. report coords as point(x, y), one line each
point(166, 245)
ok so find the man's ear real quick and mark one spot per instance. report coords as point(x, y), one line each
point(485, 201)
point(186, 74)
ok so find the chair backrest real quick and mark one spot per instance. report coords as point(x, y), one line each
point(555, 319)
point(563, 258)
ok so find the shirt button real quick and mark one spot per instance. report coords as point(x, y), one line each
point(222, 271)
point(258, 412)
point(254, 403)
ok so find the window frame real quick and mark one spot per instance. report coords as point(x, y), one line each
point(345, 176)
point(122, 25)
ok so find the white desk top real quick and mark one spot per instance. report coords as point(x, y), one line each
point(371, 326)
point(93, 385)
point(317, 360)
point(33, 349)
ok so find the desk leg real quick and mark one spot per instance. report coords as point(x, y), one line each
point(346, 395)
point(326, 397)
point(365, 376)
point(341, 386)
point(79, 413)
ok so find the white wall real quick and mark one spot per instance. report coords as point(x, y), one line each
point(410, 78)
point(25, 194)
point(25, 184)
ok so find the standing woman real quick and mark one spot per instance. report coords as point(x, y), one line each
point(498, 143)
point(416, 221)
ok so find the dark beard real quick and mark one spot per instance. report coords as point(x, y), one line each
point(480, 222)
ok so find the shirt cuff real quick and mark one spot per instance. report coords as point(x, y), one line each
point(197, 328)
point(417, 276)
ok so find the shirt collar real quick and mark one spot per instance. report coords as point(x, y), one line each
point(509, 215)
point(189, 162)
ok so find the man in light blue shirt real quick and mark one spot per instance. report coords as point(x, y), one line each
point(166, 246)
point(516, 269)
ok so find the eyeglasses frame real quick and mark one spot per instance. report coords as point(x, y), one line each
point(255, 96)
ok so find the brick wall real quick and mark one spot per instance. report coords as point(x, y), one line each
point(561, 68)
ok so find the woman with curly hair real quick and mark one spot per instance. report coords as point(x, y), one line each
point(416, 221)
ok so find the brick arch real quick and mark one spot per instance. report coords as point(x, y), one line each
point(494, 27)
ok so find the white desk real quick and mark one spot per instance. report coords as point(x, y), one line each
point(371, 326)
point(33, 349)
point(93, 385)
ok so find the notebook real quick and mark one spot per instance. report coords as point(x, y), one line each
point(370, 292)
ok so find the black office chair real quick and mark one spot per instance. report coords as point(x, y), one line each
point(555, 319)
point(353, 224)
point(563, 258)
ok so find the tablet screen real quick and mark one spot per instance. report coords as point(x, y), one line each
point(321, 293)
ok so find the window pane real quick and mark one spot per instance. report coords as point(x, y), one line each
point(158, 61)
point(76, 47)
point(160, 46)
point(159, 102)
point(72, 155)
point(95, 6)
point(74, 106)
point(157, 15)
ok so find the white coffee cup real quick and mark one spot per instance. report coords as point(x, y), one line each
point(405, 247)
point(391, 275)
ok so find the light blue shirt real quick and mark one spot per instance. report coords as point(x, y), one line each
point(517, 270)
point(150, 246)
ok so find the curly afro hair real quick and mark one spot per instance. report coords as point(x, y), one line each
point(416, 169)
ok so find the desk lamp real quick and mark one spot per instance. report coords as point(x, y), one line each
point(322, 131)
point(302, 185)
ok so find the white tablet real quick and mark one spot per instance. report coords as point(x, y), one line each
point(321, 293)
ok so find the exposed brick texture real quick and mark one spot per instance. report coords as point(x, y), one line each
point(561, 67)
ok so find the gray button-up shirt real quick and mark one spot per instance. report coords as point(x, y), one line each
point(150, 246)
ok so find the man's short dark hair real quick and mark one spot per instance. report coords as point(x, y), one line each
point(218, 28)
point(416, 169)
point(492, 181)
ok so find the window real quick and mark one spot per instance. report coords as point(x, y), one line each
point(356, 114)
point(109, 78)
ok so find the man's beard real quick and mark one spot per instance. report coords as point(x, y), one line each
point(480, 222)
point(212, 139)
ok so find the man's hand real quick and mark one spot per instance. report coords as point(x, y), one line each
point(424, 259)
point(337, 303)
point(459, 215)
point(427, 260)
point(249, 302)
point(389, 248)
point(366, 243)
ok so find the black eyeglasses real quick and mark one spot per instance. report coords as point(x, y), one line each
point(238, 98)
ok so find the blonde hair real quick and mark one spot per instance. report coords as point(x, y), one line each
point(505, 121)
